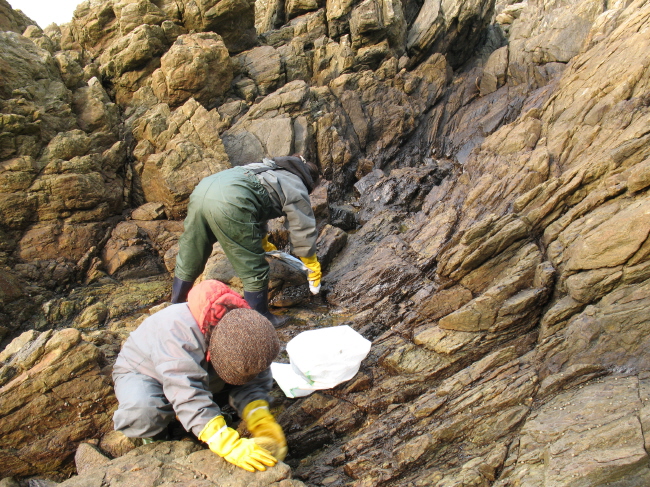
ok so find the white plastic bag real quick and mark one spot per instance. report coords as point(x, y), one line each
point(320, 359)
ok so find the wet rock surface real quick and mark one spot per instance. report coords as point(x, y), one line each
point(484, 221)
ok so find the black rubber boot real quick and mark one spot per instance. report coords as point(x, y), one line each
point(162, 436)
point(180, 289)
point(259, 301)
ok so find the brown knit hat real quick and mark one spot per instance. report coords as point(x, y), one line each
point(242, 345)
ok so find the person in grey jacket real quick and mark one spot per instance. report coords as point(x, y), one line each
point(233, 207)
point(171, 365)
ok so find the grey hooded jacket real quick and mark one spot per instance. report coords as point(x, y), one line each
point(169, 347)
point(290, 198)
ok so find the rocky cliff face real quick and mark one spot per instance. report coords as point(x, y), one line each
point(485, 221)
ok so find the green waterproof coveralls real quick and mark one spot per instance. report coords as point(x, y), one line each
point(232, 207)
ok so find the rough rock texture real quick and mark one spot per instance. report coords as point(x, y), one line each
point(169, 463)
point(196, 66)
point(174, 151)
point(53, 396)
point(484, 221)
point(13, 20)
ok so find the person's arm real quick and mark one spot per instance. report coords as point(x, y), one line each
point(256, 389)
point(252, 404)
point(177, 356)
point(300, 222)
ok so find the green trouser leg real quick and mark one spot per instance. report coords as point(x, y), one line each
point(229, 207)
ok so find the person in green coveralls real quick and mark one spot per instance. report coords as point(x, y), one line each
point(233, 207)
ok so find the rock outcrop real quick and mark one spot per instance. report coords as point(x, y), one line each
point(484, 221)
point(181, 462)
point(53, 396)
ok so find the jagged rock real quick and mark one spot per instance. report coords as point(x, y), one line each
point(497, 252)
point(196, 66)
point(295, 8)
point(175, 151)
point(9, 482)
point(132, 51)
point(372, 22)
point(70, 65)
point(443, 25)
point(558, 38)
point(96, 26)
point(596, 322)
point(149, 211)
point(88, 458)
point(133, 14)
point(30, 74)
point(594, 433)
point(13, 20)
point(331, 241)
point(95, 112)
point(271, 128)
point(401, 189)
point(174, 462)
point(56, 398)
point(136, 248)
point(93, 316)
point(39, 38)
point(371, 118)
point(115, 443)
point(49, 241)
point(233, 20)
point(119, 298)
point(263, 65)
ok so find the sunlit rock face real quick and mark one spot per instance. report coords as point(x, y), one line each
point(483, 218)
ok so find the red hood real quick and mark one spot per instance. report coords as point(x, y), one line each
point(210, 300)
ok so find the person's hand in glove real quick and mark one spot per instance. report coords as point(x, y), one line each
point(266, 245)
point(265, 430)
point(315, 274)
point(242, 452)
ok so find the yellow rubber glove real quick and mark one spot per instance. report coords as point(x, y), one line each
point(242, 452)
point(315, 274)
point(266, 245)
point(266, 431)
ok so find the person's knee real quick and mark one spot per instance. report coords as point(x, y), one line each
point(141, 421)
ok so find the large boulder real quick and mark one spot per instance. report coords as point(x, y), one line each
point(554, 33)
point(372, 22)
point(196, 66)
point(175, 150)
point(98, 24)
point(453, 27)
point(263, 65)
point(13, 20)
point(274, 127)
point(182, 462)
point(137, 248)
point(132, 50)
point(54, 395)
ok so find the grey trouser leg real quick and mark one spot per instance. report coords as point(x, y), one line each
point(144, 410)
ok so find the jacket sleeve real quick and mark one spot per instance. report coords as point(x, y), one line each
point(301, 221)
point(178, 356)
point(195, 244)
point(258, 388)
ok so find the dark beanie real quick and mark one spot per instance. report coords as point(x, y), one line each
point(307, 171)
point(242, 345)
